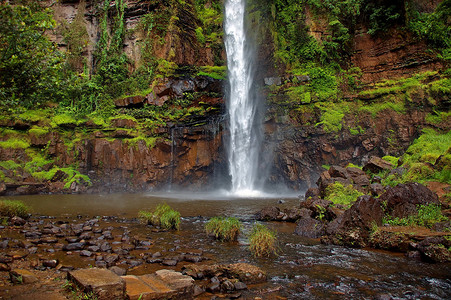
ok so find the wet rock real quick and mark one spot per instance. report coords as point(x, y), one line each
point(377, 189)
point(50, 263)
point(105, 247)
point(240, 285)
point(198, 290)
point(118, 270)
point(4, 244)
point(242, 271)
point(414, 255)
point(273, 81)
point(214, 287)
point(93, 248)
point(104, 283)
point(268, 213)
point(49, 240)
point(5, 259)
point(336, 171)
point(377, 164)
point(74, 246)
point(110, 259)
point(227, 286)
point(403, 199)
point(17, 221)
point(86, 253)
point(101, 264)
point(21, 276)
point(435, 249)
point(308, 227)
point(4, 267)
point(169, 262)
point(293, 214)
point(312, 193)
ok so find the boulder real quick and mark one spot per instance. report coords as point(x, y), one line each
point(21, 276)
point(402, 200)
point(104, 283)
point(308, 227)
point(312, 193)
point(129, 101)
point(268, 213)
point(377, 164)
point(336, 171)
point(435, 249)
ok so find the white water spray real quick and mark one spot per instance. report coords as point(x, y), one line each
point(244, 145)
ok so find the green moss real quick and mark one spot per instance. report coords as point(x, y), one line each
point(73, 175)
point(225, 229)
point(9, 165)
point(438, 117)
point(31, 115)
point(332, 115)
point(64, 120)
point(375, 108)
point(38, 161)
point(341, 194)
point(38, 130)
point(216, 72)
point(15, 143)
point(149, 141)
point(262, 241)
point(200, 35)
point(391, 159)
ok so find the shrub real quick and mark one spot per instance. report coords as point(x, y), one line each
point(343, 195)
point(163, 216)
point(11, 208)
point(225, 229)
point(263, 242)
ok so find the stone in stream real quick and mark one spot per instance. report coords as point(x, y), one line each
point(20, 276)
point(164, 284)
point(104, 283)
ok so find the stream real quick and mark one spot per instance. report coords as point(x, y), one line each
point(303, 269)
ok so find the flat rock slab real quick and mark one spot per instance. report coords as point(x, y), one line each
point(244, 272)
point(104, 283)
point(163, 284)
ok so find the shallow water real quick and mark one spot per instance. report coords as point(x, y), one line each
point(304, 268)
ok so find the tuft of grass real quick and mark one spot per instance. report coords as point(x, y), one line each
point(11, 208)
point(9, 165)
point(391, 159)
point(215, 72)
point(262, 241)
point(225, 229)
point(163, 216)
point(340, 194)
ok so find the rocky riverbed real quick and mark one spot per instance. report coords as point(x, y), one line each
point(48, 248)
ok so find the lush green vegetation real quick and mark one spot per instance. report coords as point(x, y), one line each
point(262, 241)
point(427, 216)
point(341, 194)
point(11, 208)
point(225, 229)
point(163, 216)
point(427, 159)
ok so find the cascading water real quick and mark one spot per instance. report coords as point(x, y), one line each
point(244, 144)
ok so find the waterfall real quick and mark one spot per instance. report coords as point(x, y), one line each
point(244, 120)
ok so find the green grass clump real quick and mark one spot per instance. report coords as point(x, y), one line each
point(343, 195)
point(38, 131)
point(225, 229)
point(332, 115)
point(262, 241)
point(11, 208)
point(64, 120)
point(427, 216)
point(163, 216)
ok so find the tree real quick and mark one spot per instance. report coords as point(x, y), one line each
point(30, 64)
